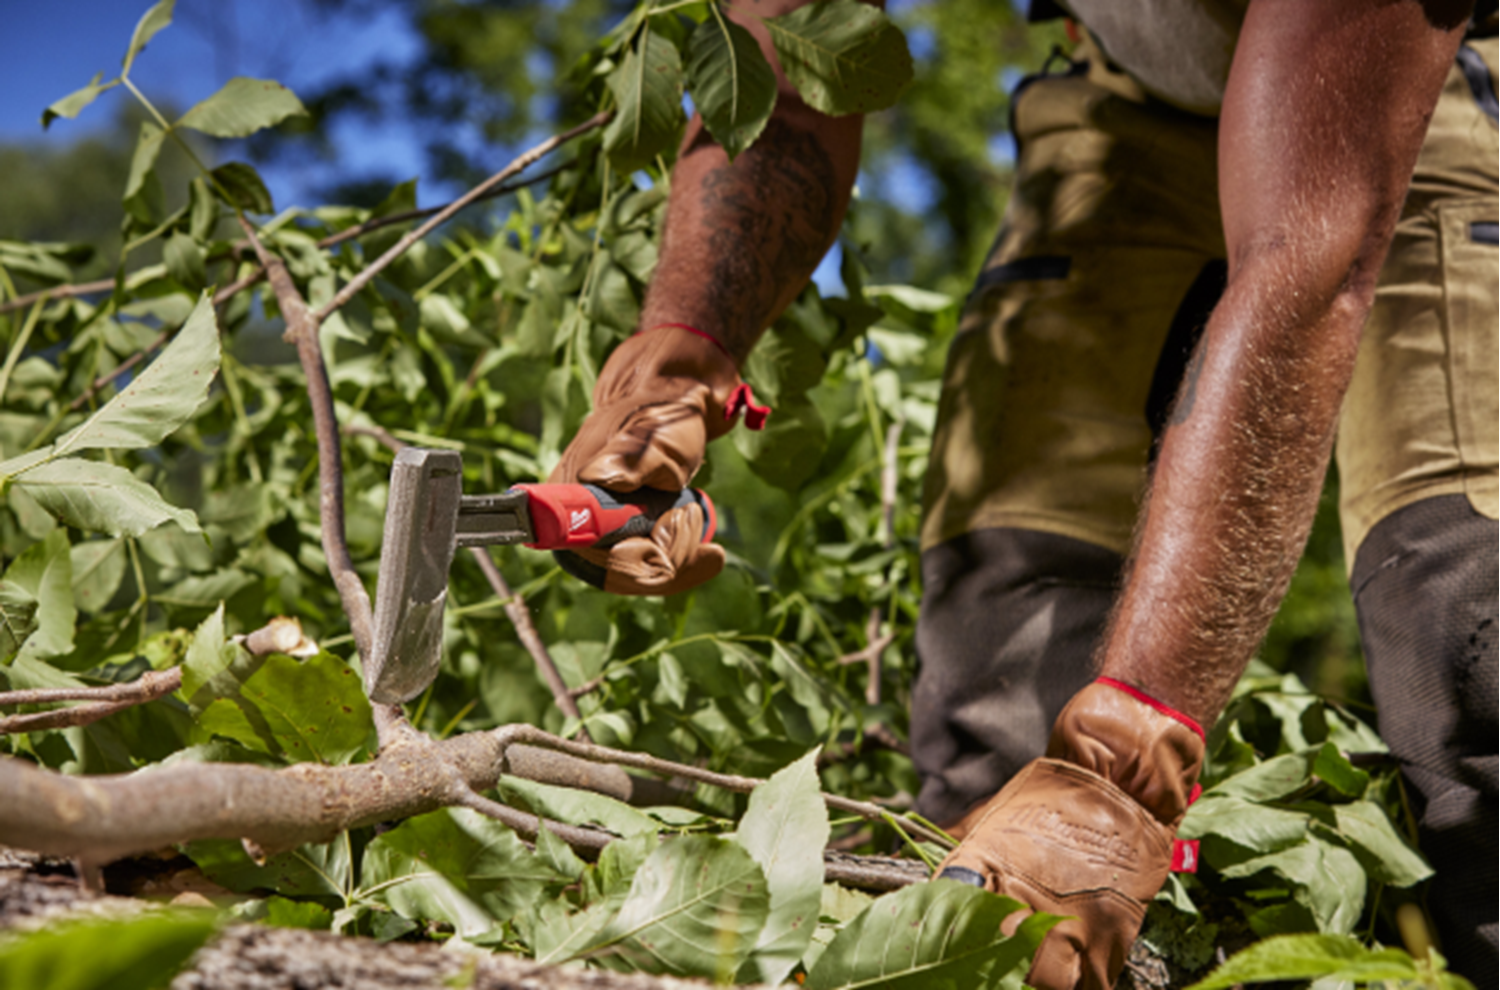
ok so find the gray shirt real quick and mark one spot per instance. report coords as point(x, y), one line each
point(1178, 50)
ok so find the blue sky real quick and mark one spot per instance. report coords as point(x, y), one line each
point(53, 48)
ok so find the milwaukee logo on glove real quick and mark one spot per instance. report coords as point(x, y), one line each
point(1040, 820)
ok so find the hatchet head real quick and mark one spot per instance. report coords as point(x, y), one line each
point(421, 519)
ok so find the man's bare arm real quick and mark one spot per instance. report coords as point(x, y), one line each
point(1326, 108)
point(742, 238)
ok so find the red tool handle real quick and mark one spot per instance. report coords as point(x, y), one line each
point(565, 517)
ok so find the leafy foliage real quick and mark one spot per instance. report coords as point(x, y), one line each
point(1328, 957)
point(156, 504)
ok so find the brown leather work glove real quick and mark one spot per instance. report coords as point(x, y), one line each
point(1088, 830)
point(661, 396)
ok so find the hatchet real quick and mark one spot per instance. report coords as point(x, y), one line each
point(428, 517)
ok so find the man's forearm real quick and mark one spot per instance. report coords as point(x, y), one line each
point(742, 238)
point(1325, 113)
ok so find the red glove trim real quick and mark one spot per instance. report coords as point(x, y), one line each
point(1185, 855)
point(742, 399)
point(690, 329)
point(1146, 699)
point(1185, 851)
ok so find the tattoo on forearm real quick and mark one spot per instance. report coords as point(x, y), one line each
point(771, 214)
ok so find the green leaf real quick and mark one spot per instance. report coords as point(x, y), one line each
point(843, 56)
point(184, 261)
point(308, 871)
point(940, 933)
point(243, 512)
point(576, 807)
point(1309, 957)
point(205, 591)
point(787, 451)
point(455, 866)
point(1325, 878)
point(1270, 780)
point(98, 567)
point(1384, 854)
point(139, 952)
point(72, 105)
point(143, 161)
point(243, 188)
point(158, 400)
point(242, 107)
point(1250, 826)
point(100, 498)
point(282, 912)
point(208, 655)
point(45, 571)
point(648, 98)
point(17, 618)
point(152, 21)
point(1337, 772)
point(312, 709)
point(730, 81)
point(203, 210)
point(695, 908)
point(785, 830)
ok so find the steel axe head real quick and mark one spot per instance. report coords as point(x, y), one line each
point(421, 519)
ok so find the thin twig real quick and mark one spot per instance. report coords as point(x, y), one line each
point(58, 292)
point(888, 478)
point(876, 644)
point(102, 701)
point(520, 618)
point(358, 282)
point(527, 825)
point(594, 753)
point(302, 330)
point(587, 687)
point(349, 233)
point(359, 230)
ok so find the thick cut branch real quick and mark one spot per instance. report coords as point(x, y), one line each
point(102, 818)
point(102, 702)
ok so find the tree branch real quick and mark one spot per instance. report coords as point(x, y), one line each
point(102, 701)
point(520, 618)
point(595, 753)
point(354, 285)
point(98, 819)
point(302, 330)
point(69, 291)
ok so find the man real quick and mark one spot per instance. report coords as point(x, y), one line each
point(1245, 159)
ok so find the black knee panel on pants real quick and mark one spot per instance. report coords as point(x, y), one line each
point(1009, 623)
point(1424, 585)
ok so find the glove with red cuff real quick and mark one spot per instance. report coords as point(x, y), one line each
point(662, 395)
point(1088, 830)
